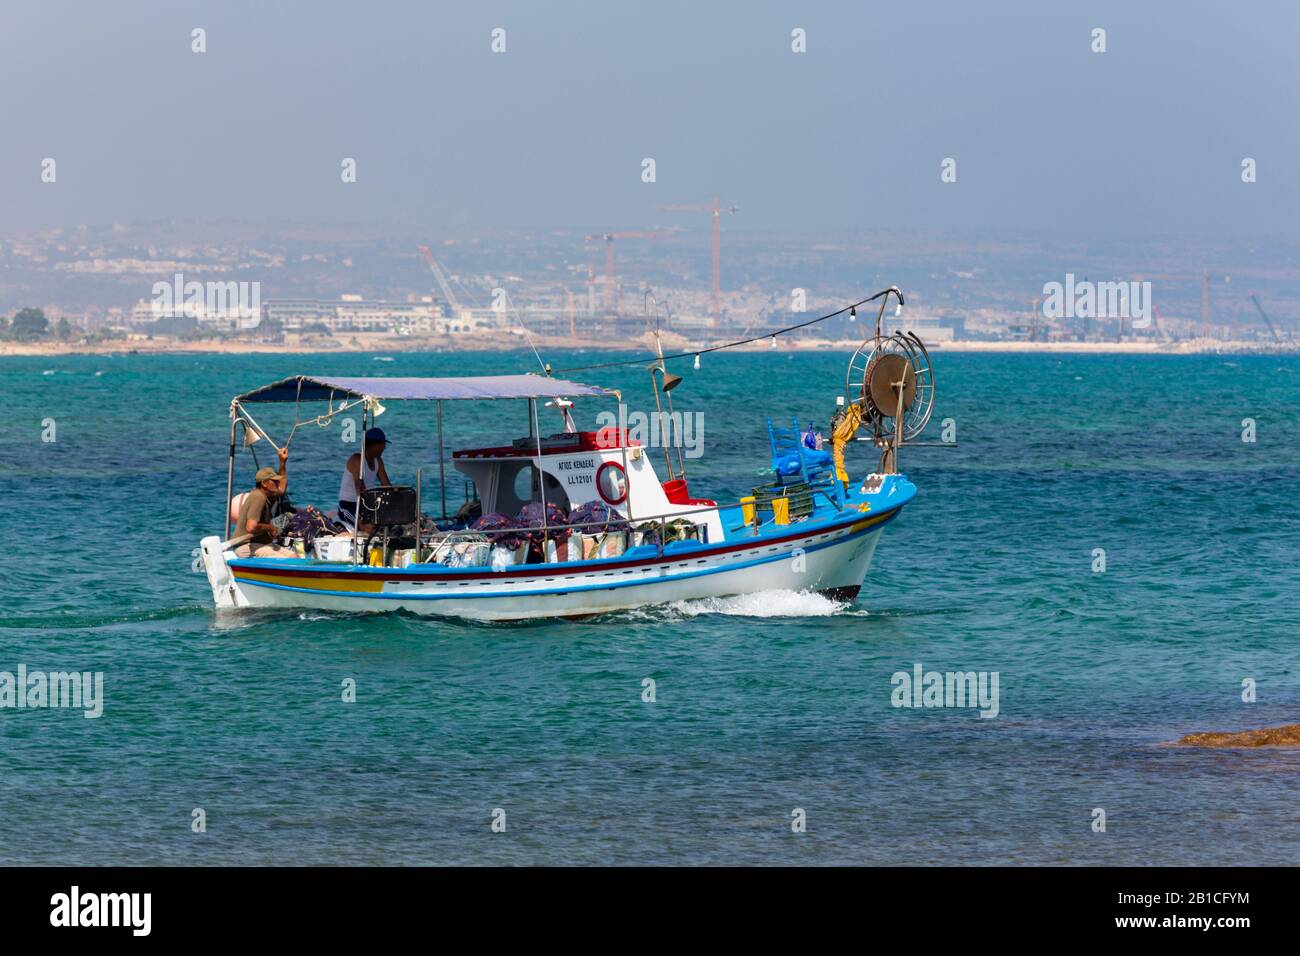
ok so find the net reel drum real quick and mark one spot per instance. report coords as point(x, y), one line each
point(891, 381)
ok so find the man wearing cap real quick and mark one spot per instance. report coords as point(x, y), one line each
point(363, 470)
point(255, 513)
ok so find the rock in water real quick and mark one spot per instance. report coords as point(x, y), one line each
point(1288, 736)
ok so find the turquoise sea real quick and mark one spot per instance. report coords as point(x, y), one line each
point(764, 704)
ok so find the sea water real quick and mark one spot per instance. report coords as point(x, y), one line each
point(1101, 537)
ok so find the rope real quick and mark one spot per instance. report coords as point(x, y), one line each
point(320, 421)
point(528, 336)
point(732, 345)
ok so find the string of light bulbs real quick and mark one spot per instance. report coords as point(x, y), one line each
point(852, 310)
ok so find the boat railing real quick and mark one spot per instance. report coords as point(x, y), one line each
point(621, 525)
point(434, 541)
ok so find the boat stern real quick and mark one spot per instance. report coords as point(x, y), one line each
point(225, 591)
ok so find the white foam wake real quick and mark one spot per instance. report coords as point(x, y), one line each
point(764, 604)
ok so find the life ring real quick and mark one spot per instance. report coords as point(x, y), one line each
point(600, 484)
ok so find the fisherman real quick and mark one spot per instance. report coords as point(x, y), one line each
point(255, 513)
point(363, 470)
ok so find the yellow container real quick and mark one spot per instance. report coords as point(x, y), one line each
point(781, 510)
point(747, 508)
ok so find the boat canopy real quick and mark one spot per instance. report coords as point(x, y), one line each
point(305, 388)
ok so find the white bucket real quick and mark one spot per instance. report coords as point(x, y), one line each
point(333, 549)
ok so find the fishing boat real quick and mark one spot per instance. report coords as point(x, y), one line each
point(575, 523)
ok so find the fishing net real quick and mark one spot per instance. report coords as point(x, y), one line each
point(530, 517)
point(598, 517)
point(502, 529)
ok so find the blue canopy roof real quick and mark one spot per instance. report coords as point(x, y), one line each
point(306, 388)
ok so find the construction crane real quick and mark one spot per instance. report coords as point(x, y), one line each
point(608, 238)
point(1204, 278)
point(715, 211)
point(1264, 315)
point(453, 306)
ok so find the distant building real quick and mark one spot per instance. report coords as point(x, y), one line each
point(349, 313)
point(147, 313)
point(930, 330)
point(955, 322)
point(352, 313)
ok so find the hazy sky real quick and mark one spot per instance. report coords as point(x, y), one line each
point(1047, 135)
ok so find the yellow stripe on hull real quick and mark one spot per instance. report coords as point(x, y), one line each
point(863, 525)
point(349, 583)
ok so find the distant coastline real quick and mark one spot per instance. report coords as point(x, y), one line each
point(369, 344)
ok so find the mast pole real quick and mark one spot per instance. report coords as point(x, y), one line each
point(658, 386)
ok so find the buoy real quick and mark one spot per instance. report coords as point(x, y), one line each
point(697, 362)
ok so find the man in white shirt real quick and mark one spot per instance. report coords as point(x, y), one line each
point(365, 469)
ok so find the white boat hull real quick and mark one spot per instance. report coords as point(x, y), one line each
point(825, 558)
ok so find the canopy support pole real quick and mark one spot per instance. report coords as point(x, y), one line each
point(258, 429)
point(230, 476)
point(356, 508)
point(541, 475)
point(442, 470)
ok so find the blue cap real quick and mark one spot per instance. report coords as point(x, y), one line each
point(376, 435)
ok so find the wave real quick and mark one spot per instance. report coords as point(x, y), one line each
point(78, 620)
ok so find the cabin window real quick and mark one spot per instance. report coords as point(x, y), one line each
point(525, 482)
point(519, 486)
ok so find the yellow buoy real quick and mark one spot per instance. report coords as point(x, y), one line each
point(781, 510)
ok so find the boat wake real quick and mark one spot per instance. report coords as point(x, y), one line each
point(764, 604)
